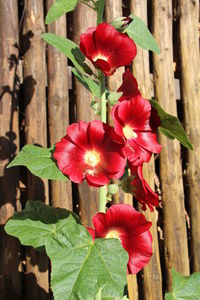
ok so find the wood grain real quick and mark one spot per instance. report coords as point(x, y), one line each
point(58, 107)
point(190, 93)
point(36, 133)
point(152, 285)
point(175, 236)
point(10, 250)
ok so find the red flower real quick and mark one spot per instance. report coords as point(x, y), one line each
point(129, 86)
point(142, 191)
point(132, 122)
point(88, 152)
point(122, 221)
point(107, 48)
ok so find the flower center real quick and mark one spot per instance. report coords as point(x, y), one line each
point(128, 132)
point(92, 158)
point(113, 234)
point(99, 56)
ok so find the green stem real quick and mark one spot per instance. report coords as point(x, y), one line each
point(103, 189)
point(103, 112)
point(100, 11)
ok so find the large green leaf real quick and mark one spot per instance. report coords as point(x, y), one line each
point(80, 267)
point(59, 8)
point(38, 223)
point(184, 287)
point(171, 127)
point(140, 34)
point(90, 84)
point(70, 49)
point(39, 161)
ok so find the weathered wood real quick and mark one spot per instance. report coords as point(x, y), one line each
point(114, 10)
point(58, 107)
point(132, 287)
point(85, 17)
point(190, 91)
point(10, 279)
point(175, 237)
point(36, 132)
point(152, 272)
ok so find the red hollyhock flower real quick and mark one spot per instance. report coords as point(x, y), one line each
point(129, 86)
point(132, 123)
point(107, 48)
point(88, 152)
point(122, 221)
point(141, 190)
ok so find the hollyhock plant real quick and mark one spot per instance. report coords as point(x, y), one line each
point(123, 222)
point(88, 152)
point(132, 122)
point(137, 185)
point(107, 48)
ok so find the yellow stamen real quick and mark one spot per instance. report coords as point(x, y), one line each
point(99, 56)
point(128, 132)
point(113, 234)
point(92, 158)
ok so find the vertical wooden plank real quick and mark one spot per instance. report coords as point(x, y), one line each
point(190, 92)
point(152, 272)
point(84, 17)
point(114, 10)
point(10, 280)
point(175, 237)
point(58, 107)
point(36, 133)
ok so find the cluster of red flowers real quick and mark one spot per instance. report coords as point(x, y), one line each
point(98, 152)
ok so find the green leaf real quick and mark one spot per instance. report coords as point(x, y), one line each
point(113, 97)
point(70, 49)
point(140, 34)
point(184, 287)
point(80, 267)
point(88, 83)
point(39, 161)
point(59, 8)
point(38, 223)
point(118, 23)
point(113, 189)
point(95, 106)
point(171, 127)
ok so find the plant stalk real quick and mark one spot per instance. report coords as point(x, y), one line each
point(103, 111)
point(100, 11)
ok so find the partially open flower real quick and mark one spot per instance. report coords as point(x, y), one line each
point(142, 191)
point(107, 48)
point(132, 122)
point(129, 86)
point(123, 222)
point(88, 152)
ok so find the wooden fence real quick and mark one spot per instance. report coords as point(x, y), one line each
point(38, 99)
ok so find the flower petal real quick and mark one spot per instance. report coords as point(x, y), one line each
point(131, 227)
point(129, 86)
point(107, 48)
